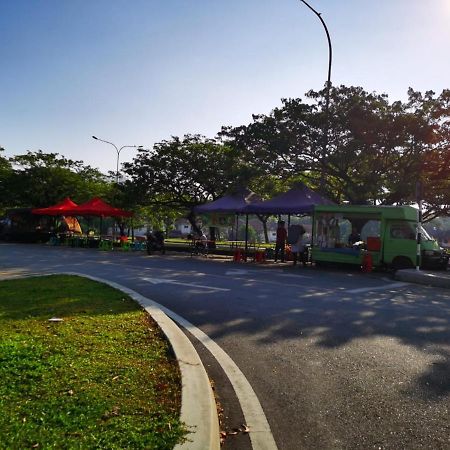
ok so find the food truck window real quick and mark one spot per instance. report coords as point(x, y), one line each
point(403, 231)
point(330, 230)
point(371, 228)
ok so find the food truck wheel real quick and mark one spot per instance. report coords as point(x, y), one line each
point(402, 262)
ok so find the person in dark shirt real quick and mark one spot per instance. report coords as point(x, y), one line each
point(280, 243)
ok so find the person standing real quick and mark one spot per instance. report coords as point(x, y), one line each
point(280, 244)
point(302, 247)
point(297, 247)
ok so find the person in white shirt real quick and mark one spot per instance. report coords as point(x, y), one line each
point(300, 248)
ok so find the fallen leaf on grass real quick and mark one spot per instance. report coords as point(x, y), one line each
point(113, 413)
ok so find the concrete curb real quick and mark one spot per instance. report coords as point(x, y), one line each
point(436, 279)
point(198, 407)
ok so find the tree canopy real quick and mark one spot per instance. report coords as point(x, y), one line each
point(182, 173)
point(378, 152)
point(38, 179)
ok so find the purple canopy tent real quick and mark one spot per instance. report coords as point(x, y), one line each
point(298, 200)
point(234, 203)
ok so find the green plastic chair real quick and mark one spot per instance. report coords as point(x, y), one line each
point(105, 245)
point(125, 246)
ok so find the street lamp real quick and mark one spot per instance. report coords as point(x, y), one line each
point(327, 95)
point(118, 150)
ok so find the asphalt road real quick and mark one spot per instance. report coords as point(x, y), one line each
point(338, 359)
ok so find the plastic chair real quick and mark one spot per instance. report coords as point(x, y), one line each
point(125, 246)
point(54, 240)
point(138, 246)
point(105, 245)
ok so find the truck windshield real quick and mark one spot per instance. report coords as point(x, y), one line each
point(425, 235)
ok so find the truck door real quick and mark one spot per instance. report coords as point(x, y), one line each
point(400, 244)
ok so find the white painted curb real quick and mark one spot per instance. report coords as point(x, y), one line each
point(436, 279)
point(198, 407)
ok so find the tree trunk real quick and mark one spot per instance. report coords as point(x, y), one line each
point(263, 219)
point(191, 218)
point(212, 237)
point(122, 228)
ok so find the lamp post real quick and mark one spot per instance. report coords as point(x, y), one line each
point(327, 95)
point(118, 150)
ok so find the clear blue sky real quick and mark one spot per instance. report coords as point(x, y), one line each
point(140, 71)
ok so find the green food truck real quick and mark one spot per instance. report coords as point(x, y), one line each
point(349, 234)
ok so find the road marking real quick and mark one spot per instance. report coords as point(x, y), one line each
point(260, 434)
point(317, 294)
point(294, 275)
point(236, 272)
point(377, 288)
point(166, 281)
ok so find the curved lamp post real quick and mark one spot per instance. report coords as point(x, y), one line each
point(118, 150)
point(327, 94)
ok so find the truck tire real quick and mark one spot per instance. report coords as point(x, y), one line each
point(402, 262)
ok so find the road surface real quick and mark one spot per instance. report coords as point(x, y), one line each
point(337, 359)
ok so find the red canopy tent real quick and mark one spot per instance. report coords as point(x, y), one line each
point(60, 209)
point(97, 207)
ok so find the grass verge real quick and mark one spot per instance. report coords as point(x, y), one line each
point(103, 377)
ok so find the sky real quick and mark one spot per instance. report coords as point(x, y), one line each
point(136, 72)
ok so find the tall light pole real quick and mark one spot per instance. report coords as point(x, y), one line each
point(327, 96)
point(118, 150)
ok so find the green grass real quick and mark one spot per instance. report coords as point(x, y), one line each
point(103, 378)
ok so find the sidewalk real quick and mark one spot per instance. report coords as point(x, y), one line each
point(438, 278)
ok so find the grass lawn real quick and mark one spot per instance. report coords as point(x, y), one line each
point(103, 377)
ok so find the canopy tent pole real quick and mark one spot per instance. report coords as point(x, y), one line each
point(289, 220)
point(246, 236)
point(237, 227)
point(313, 232)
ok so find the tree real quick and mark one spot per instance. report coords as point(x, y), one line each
point(6, 172)
point(182, 173)
point(376, 149)
point(433, 169)
point(275, 144)
point(41, 179)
